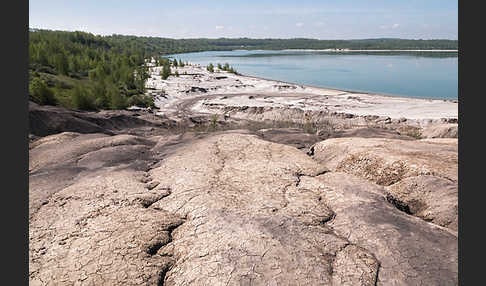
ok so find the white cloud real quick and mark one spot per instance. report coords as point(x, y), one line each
point(386, 27)
point(219, 27)
point(299, 25)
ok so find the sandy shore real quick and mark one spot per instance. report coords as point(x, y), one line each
point(225, 89)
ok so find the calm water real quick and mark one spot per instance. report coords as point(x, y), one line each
point(425, 75)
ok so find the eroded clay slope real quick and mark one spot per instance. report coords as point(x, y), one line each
point(420, 175)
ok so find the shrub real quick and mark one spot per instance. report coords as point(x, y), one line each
point(141, 100)
point(210, 67)
point(40, 92)
point(117, 100)
point(214, 121)
point(165, 72)
point(83, 99)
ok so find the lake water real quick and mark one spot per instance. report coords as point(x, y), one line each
point(409, 74)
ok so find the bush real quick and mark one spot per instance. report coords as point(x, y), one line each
point(210, 67)
point(40, 92)
point(165, 72)
point(141, 100)
point(83, 99)
point(117, 100)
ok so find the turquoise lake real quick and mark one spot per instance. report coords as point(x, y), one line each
point(410, 74)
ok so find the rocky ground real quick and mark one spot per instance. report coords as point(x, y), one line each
point(201, 194)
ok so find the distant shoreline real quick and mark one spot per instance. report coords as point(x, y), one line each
point(319, 50)
point(349, 50)
point(351, 91)
point(344, 90)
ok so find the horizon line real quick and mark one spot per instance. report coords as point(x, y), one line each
point(236, 37)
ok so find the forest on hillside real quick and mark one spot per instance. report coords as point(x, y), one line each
point(85, 71)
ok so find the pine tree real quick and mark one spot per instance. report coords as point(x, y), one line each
point(62, 63)
point(210, 67)
point(40, 93)
point(82, 99)
point(165, 73)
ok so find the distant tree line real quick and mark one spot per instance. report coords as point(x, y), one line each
point(168, 46)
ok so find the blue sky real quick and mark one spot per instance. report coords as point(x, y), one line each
point(325, 19)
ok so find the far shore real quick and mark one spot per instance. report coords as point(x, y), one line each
point(350, 50)
point(349, 90)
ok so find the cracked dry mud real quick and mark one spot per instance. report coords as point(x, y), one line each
point(225, 209)
point(420, 176)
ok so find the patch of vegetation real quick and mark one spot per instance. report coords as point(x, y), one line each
point(84, 71)
point(141, 100)
point(210, 67)
point(415, 134)
point(41, 93)
point(165, 72)
point(227, 67)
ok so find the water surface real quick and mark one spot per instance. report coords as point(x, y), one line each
point(409, 74)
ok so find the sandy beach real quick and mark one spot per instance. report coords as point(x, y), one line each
point(215, 92)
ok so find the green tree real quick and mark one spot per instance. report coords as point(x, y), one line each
point(83, 99)
point(165, 73)
point(62, 64)
point(117, 100)
point(40, 92)
point(141, 75)
point(210, 67)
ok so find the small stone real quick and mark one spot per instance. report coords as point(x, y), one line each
point(152, 185)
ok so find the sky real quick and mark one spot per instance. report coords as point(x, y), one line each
point(324, 19)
